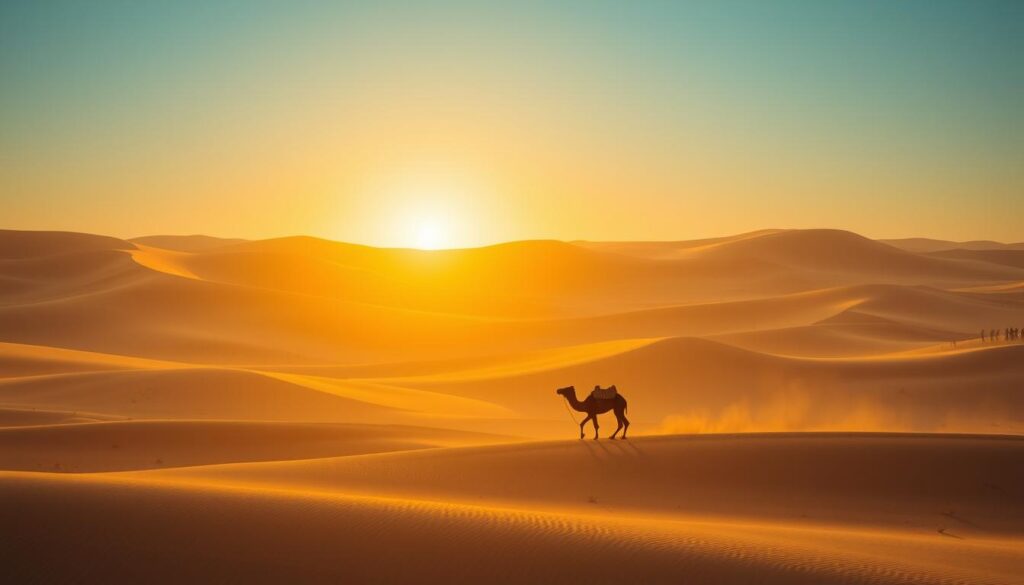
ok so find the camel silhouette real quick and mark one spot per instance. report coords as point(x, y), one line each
point(595, 406)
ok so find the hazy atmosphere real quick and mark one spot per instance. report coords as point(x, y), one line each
point(707, 292)
point(488, 122)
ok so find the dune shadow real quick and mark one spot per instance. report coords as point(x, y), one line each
point(596, 451)
point(629, 447)
point(953, 516)
point(624, 447)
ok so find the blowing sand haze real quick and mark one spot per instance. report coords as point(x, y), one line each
point(575, 292)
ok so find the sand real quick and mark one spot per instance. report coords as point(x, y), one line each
point(644, 511)
point(807, 406)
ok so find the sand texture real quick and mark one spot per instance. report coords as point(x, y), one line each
point(806, 406)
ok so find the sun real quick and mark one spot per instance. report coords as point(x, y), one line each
point(430, 233)
point(425, 209)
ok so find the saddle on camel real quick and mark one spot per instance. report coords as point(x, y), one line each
point(609, 393)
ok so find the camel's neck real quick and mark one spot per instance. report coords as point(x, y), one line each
point(574, 402)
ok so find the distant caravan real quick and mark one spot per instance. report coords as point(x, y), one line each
point(600, 401)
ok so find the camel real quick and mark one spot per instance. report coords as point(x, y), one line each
point(595, 406)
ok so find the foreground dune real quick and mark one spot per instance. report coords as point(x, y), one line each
point(967, 484)
point(952, 516)
point(132, 531)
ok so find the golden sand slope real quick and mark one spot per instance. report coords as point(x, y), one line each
point(284, 411)
point(154, 444)
point(674, 385)
point(966, 484)
point(928, 245)
point(301, 300)
point(694, 385)
point(18, 359)
point(879, 509)
point(193, 243)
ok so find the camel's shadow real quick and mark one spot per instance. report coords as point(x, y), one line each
point(605, 449)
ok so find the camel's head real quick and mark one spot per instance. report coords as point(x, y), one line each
point(567, 391)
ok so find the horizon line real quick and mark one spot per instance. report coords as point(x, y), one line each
point(765, 231)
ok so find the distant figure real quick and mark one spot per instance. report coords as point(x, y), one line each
point(600, 401)
point(983, 336)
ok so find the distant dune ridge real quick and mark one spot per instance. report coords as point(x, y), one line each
point(193, 243)
point(169, 403)
point(928, 245)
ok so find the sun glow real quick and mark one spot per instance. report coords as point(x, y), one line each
point(431, 233)
point(427, 207)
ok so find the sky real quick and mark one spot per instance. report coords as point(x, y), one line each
point(453, 123)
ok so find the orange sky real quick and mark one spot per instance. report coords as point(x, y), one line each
point(453, 124)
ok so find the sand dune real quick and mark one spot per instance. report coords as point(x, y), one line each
point(51, 279)
point(17, 417)
point(188, 408)
point(521, 278)
point(172, 534)
point(699, 385)
point(929, 307)
point(928, 245)
point(708, 387)
point(192, 243)
point(689, 379)
point(848, 334)
point(204, 393)
point(24, 360)
point(17, 244)
point(262, 302)
point(123, 445)
point(929, 310)
point(1006, 257)
point(843, 258)
point(146, 525)
point(169, 317)
point(824, 250)
point(907, 481)
point(667, 250)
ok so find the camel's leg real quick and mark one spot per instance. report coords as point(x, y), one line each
point(589, 416)
point(626, 425)
point(618, 419)
point(594, 416)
